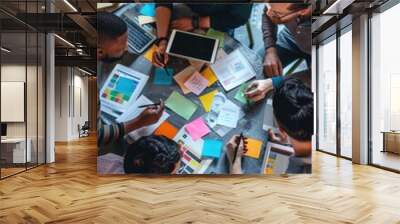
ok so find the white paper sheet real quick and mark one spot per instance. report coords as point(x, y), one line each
point(233, 70)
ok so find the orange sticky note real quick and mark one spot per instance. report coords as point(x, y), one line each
point(166, 129)
point(209, 75)
point(253, 148)
point(149, 53)
point(183, 76)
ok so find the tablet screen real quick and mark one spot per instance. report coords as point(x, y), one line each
point(193, 46)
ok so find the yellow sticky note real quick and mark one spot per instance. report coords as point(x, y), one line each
point(209, 75)
point(149, 53)
point(253, 148)
point(207, 100)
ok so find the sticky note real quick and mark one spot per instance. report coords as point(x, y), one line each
point(149, 53)
point(196, 83)
point(166, 129)
point(161, 77)
point(146, 19)
point(207, 100)
point(148, 9)
point(217, 35)
point(209, 75)
point(197, 129)
point(181, 105)
point(253, 148)
point(212, 148)
point(182, 76)
point(240, 96)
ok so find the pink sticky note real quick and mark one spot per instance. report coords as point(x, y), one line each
point(196, 83)
point(197, 129)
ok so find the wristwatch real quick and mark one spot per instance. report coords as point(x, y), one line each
point(158, 40)
point(195, 22)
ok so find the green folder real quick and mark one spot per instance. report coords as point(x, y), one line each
point(218, 35)
point(181, 105)
point(240, 96)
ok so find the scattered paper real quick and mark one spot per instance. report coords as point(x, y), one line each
point(221, 54)
point(166, 129)
point(161, 77)
point(196, 83)
point(181, 105)
point(233, 70)
point(192, 163)
point(182, 76)
point(217, 35)
point(207, 100)
point(253, 148)
point(209, 75)
point(135, 111)
point(212, 148)
point(197, 129)
point(143, 20)
point(228, 116)
point(211, 118)
point(149, 53)
point(183, 138)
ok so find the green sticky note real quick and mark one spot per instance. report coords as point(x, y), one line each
point(181, 105)
point(240, 96)
point(218, 35)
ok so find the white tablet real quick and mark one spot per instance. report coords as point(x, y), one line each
point(121, 89)
point(276, 158)
point(192, 46)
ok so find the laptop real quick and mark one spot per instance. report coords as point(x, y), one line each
point(139, 37)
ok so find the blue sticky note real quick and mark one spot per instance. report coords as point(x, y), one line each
point(212, 148)
point(148, 9)
point(163, 78)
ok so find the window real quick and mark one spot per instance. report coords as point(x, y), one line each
point(385, 89)
point(327, 96)
point(346, 95)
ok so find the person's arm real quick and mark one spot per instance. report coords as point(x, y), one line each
point(163, 17)
point(269, 30)
point(237, 15)
point(108, 133)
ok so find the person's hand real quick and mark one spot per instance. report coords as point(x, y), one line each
point(160, 56)
point(257, 90)
point(277, 137)
point(272, 63)
point(184, 24)
point(235, 168)
point(151, 115)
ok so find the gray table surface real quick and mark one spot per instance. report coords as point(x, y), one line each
point(250, 124)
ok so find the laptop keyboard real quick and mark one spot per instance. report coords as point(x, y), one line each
point(138, 37)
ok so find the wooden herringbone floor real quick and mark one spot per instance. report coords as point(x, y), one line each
point(69, 191)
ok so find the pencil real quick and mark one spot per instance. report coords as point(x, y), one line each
point(149, 105)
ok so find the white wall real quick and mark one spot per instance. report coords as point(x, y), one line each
point(71, 94)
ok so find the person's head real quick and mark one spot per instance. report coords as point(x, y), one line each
point(112, 37)
point(293, 105)
point(280, 13)
point(152, 154)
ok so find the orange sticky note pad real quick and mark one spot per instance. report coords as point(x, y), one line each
point(166, 129)
point(149, 53)
point(253, 148)
point(209, 74)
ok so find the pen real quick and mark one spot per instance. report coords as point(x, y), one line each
point(161, 58)
point(237, 147)
point(149, 105)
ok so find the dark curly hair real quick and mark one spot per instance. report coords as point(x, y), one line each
point(110, 26)
point(293, 105)
point(152, 154)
